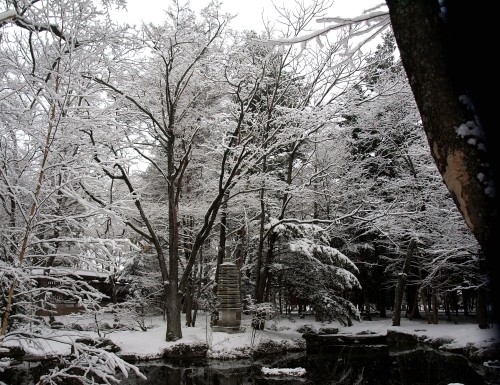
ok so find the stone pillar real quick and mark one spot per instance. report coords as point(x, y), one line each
point(228, 299)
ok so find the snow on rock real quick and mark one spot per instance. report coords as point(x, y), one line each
point(492, 364)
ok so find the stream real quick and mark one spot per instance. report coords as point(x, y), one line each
point(374, 365)
point(347, 365)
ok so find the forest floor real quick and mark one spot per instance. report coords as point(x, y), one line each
point(282, 333)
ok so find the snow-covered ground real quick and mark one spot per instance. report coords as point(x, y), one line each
point(281, 334)
point(282, 331)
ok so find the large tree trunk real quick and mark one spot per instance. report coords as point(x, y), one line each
point(447, 74)
point(174, 329)
point(259, 274)
point(189, 292)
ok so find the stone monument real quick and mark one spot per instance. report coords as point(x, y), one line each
point(228, 299)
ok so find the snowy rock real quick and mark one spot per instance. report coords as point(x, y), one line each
point(365, 333)
point(77, 327)
point(440, 341)
point(492, 371)
point(56, 325)
point(482, 354)
point(323, 331)
point(307, 329)
point(186, 351)
point(100, 343)
point(12, 352)
point(396, 338)
point(475, 354)
point(106, 326)
point(277, 347)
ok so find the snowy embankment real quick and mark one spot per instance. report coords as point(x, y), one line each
point(283, 334)
point(286, 335)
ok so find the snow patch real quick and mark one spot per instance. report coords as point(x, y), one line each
point(490, 191)
point(295, 372)
point(469, 128)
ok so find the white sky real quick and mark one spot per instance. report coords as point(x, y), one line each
point(249, 12)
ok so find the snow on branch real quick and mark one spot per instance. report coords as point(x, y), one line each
point(380, 17)
point(6, 15)
point(90, 366)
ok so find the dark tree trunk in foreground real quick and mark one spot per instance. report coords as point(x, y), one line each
point(448, 74)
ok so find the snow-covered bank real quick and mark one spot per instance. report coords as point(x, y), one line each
point(281, 334)
point(285, 334)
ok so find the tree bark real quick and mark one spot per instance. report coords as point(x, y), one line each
point(465, 299)
point(174, 328)
point(448, 74)
point(198, 289)
point(423, 297)
point(400, 288)
point(259, 295)
point(382, 294)
point(481, 309)
point(412, 299)
point(435, 304)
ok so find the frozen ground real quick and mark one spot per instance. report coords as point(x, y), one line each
point(283, 330)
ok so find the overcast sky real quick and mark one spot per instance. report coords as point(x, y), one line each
point(248, 11)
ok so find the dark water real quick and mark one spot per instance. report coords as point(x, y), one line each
point(348, 366)
point(359, 365)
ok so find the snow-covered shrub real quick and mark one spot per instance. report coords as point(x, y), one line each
point(310, 269)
